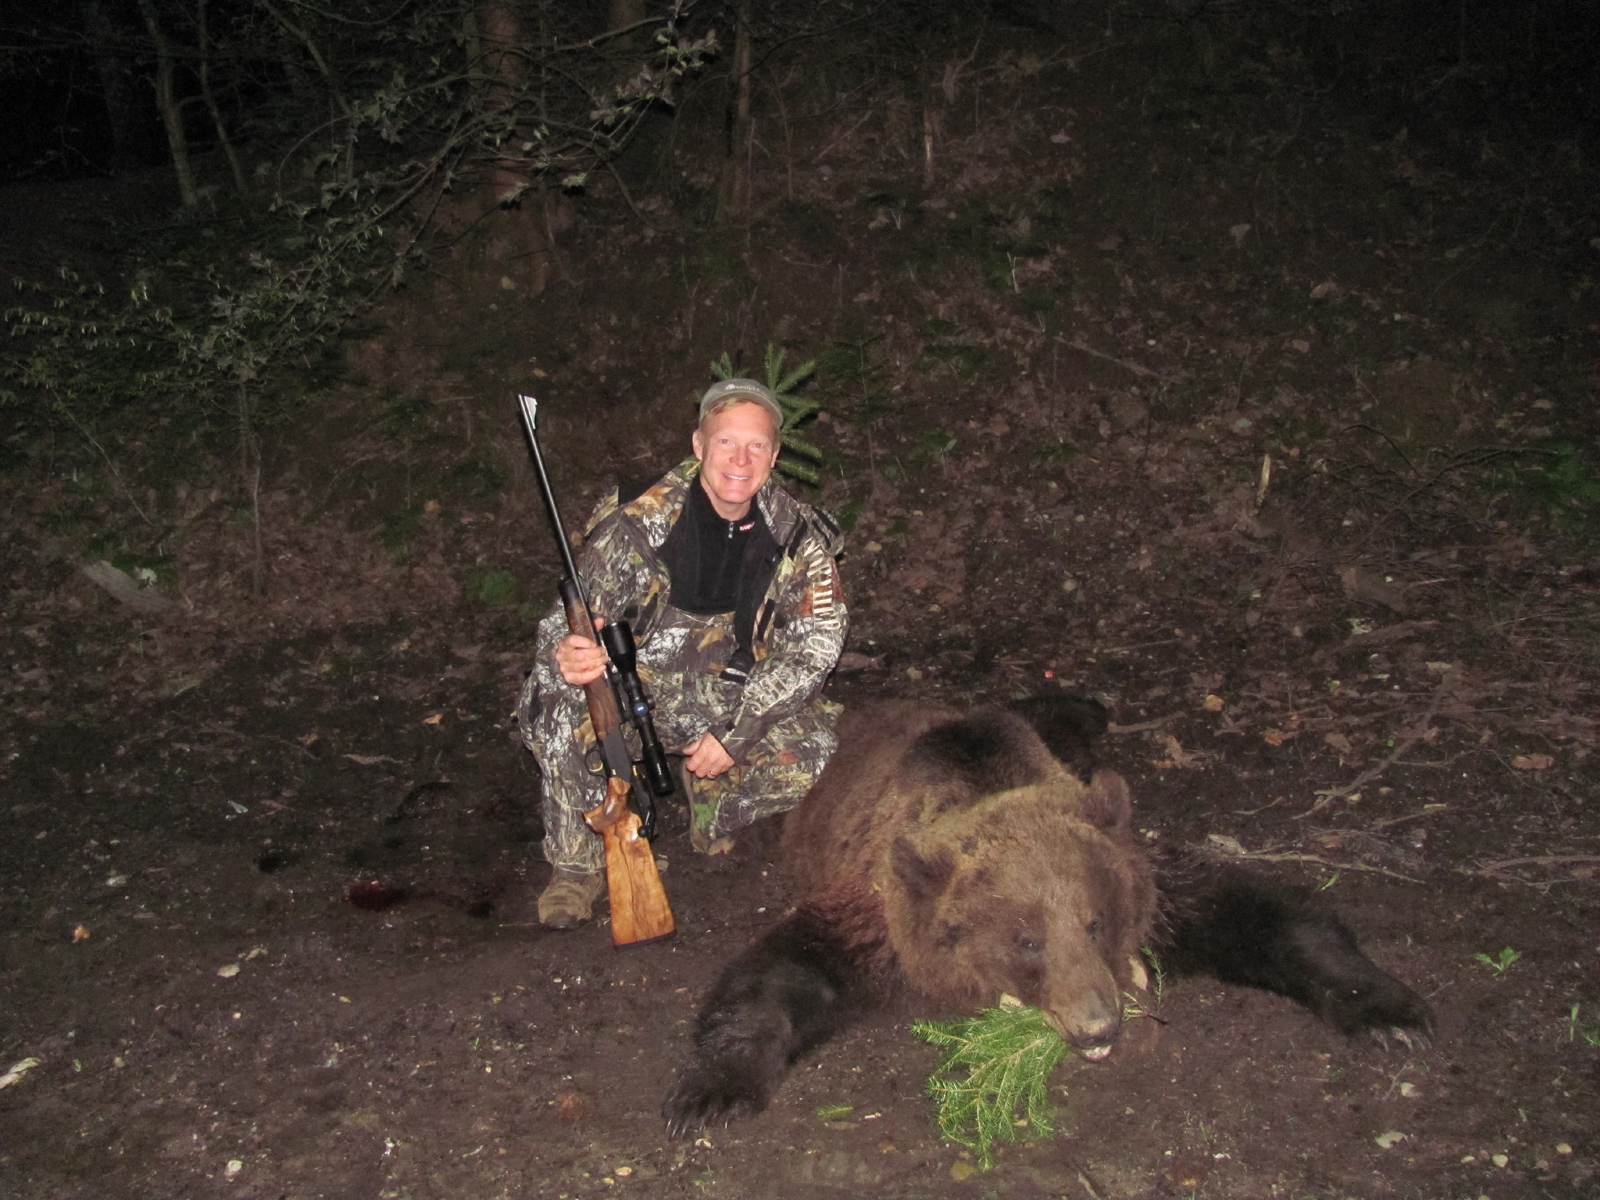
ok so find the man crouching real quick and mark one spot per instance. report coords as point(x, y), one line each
point(732, 588)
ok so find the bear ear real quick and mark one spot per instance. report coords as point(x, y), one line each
point(1105, 803)
point(922, 878)
point(1068, 725)
point(985, 752)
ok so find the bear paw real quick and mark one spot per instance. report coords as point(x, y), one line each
point(1383, 1007)
point(711, 1094)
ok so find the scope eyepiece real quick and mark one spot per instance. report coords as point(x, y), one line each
point(617, 638)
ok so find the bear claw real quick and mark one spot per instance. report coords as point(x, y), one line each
point(701, 1098)
point(1415, 1040)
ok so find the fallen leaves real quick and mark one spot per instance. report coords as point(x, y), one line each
point(571, 1106)
point(17, 1071)
point(1177, 758)
point(229, 970)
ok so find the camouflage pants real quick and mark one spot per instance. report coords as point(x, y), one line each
point(770, 778)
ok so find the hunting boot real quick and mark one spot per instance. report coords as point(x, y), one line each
point(568, 900)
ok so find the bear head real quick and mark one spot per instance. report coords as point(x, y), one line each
point(1038, 893)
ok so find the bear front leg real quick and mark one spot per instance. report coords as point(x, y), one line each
point(1225, 922)
point(805, 980)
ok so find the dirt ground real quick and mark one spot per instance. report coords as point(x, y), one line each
point(1255, 415)
point(213, 1014)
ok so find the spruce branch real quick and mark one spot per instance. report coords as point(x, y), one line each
point(994, 1063)
point(795, 408)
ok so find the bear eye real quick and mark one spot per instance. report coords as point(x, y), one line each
point(1029, 944)
point(1094, 927)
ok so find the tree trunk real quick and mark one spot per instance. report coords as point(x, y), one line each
point(344, 118)
point(130, 139)
point(167, 103)
point(522, 202)
point(734, 195)
point(211, 100)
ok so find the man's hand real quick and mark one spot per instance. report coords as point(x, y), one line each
point(705, 758)
point(581, 660)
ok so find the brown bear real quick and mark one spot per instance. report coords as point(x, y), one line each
point(959, 857)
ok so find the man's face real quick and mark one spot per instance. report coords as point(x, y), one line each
point(737, 448)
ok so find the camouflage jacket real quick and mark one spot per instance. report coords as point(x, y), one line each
point(800, 624)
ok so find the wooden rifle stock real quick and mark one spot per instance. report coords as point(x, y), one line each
point(639, 908)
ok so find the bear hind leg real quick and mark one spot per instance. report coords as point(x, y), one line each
point(787, 994)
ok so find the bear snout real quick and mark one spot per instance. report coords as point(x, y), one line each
point(1090, 1026)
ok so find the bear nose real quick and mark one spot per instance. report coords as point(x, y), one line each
point(1095, 1046)
point(1091, 1035)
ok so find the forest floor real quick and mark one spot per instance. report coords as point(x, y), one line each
point(1269, 426)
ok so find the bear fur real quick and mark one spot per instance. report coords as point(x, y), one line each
point(995, 870)
point(959, 857)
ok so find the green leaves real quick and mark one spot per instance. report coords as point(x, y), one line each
point(994, 1063)
point(1500, 963)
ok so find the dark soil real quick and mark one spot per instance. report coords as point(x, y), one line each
point(1262, 412)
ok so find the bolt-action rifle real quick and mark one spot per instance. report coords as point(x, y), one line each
point(639, 908)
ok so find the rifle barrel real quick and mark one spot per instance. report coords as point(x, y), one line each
point(530, 412)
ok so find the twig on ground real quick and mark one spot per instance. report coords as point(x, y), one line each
point(1298, 856)
point(1087, 1186)
point(1326, 796)
point(818, 157)
point(1141, 646)
point(1143, 726)
point(627, 198)
point(1497, 868)
point(1428, 810)
point(1136, 368)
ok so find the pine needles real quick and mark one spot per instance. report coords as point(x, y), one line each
point(994, 1063)
point(795, 408)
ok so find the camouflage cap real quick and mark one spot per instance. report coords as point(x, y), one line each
point(743, 389)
